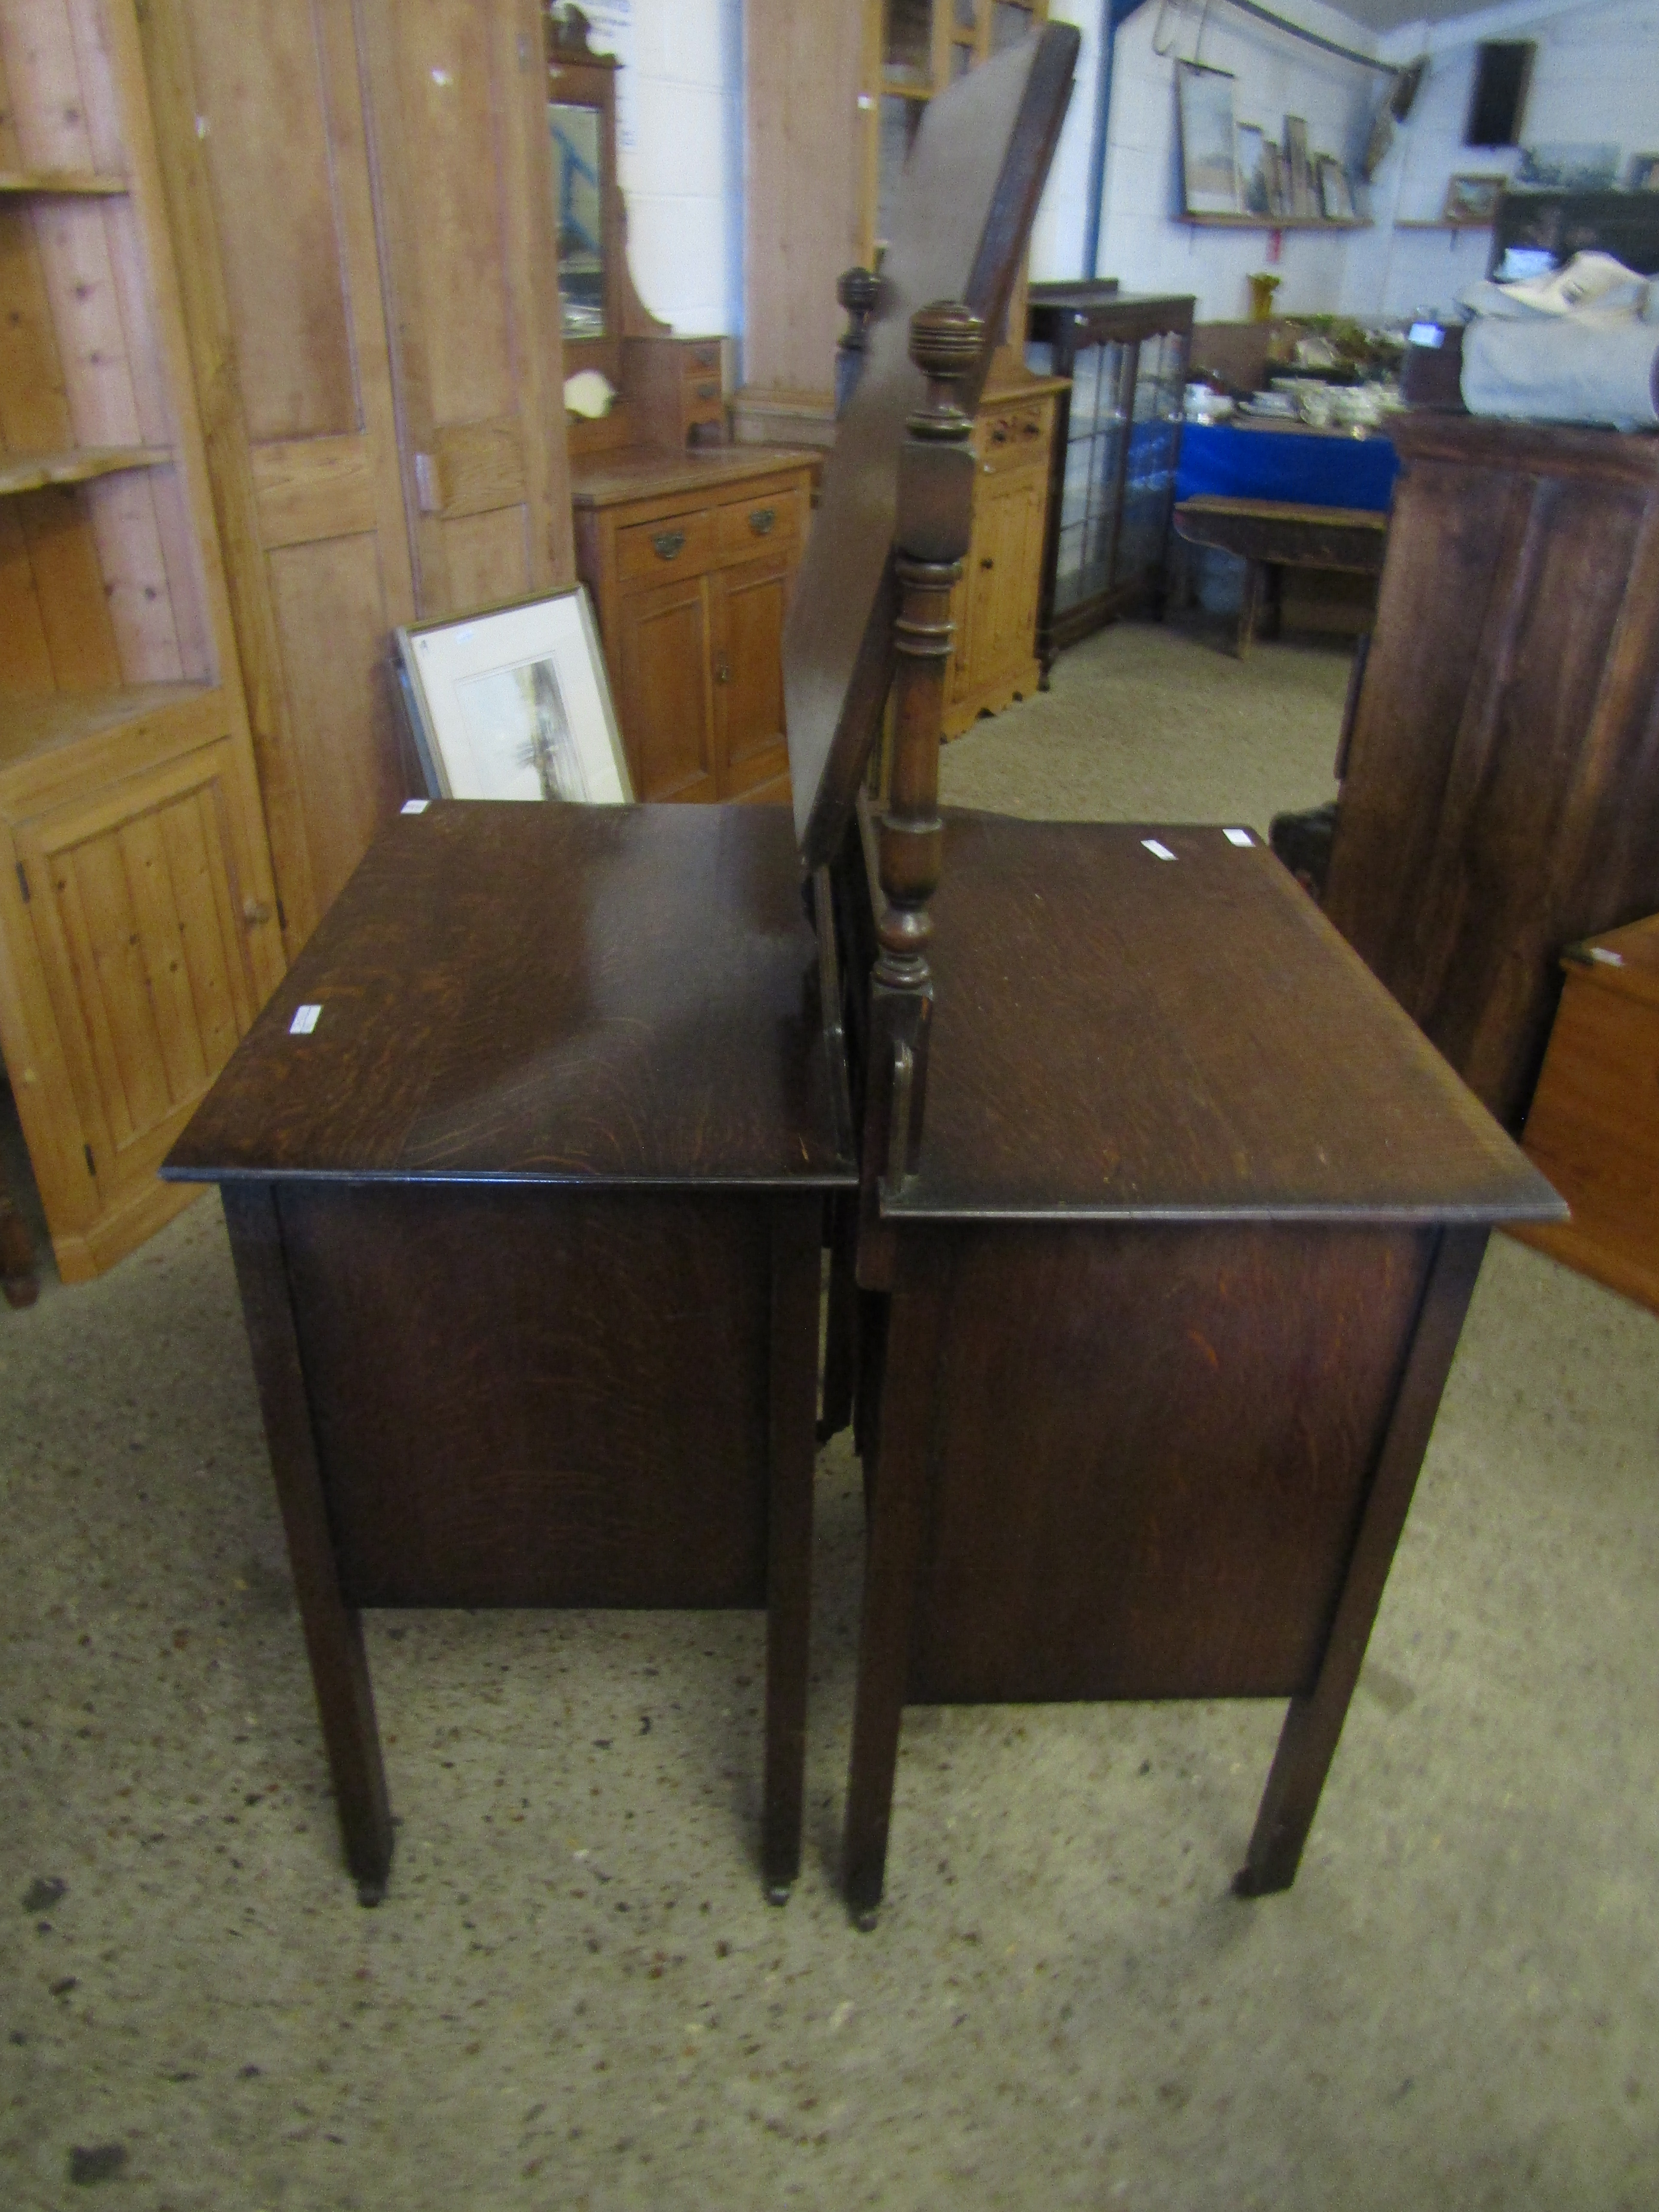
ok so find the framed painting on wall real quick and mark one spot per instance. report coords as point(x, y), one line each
point(1209, 172)
point(513, 703)
point(1336, 192)
point(1301, 194)
point(1254, 197)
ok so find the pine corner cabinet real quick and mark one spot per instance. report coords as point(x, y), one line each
point(139, 932)
point(994, 607)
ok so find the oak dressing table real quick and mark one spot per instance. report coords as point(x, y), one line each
point(526, 1167)
point(1167, 1216)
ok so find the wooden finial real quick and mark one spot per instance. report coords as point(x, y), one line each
point(857, 291)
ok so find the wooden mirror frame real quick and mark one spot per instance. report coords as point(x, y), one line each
point(578, 77)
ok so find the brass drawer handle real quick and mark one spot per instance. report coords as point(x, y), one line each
point(668, 544)
point(762, 518)
point(706, 392)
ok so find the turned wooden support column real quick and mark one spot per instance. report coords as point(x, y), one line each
point(857, 291)
point(935, 520)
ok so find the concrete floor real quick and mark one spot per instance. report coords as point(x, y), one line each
point(575, 1994)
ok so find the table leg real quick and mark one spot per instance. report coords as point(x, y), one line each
point(333, 1629)
point(841, 1319)
point(19, 1283)
point(1314, 1724)
point(1250, 606)
point(796, 1242)
point(897, 1521)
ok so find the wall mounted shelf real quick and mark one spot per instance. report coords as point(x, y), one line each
point(1435, 222)
point(1276, 223)
point(34, 471)
point(37, 723)
point(95, 183)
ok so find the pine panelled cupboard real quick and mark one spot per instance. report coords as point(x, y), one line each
point(138, 929)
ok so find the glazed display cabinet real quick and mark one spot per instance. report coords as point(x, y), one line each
point(1117, 441)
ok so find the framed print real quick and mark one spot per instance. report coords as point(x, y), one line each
point(1273, 177)
point(1252, 162)
point(1335, 193)
point(1570, 169)
point(1302, 201)
point(513, 703)
point(1644, 176)
point(1209, 176)
point(1474, 200)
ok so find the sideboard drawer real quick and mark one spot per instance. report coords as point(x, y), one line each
point(768, 522)
point(1014, 437)
point(673, 545)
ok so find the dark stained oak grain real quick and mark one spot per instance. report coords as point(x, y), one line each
point(1121, 1036)
point(1151, 1448)
point(537, 1397)
point(1176, 1277)
point(332, 1626)
point(527, 1231)
point(545, 992)
point(1500, 797)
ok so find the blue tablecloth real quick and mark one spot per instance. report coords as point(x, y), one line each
point(1222, 461)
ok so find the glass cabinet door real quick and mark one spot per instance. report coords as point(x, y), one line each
point(1101, 376)
point(1154, 433)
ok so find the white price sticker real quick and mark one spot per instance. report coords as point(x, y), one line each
point(1159, 852)
point(306, 1019)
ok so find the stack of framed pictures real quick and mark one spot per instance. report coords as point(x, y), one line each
point(513, 703)
point(1233, 172)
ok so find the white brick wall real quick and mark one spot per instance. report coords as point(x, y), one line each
point(1597, 75)
point(1595, 78)
point(683, 173)
point(1141, 243)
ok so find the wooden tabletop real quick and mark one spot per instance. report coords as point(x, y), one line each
point(1623, 960)
point(645, 472)
point(1119, 1036)
point(543, 993)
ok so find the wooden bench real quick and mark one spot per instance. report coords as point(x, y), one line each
point(1270, 535)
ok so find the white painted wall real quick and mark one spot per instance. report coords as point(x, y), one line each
point(1062, 219)
point(1142, 244)
point(1596, 77)
point(682, 173)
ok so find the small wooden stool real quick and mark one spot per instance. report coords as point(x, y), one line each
point(1593, 1125)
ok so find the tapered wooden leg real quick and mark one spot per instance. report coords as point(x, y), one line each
point(1308, 1743)
point(794, 1370)
point(899, 1500)
point(333, 1630)
point(1250, 607)
point(842, 1320)
point(19, 1283)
